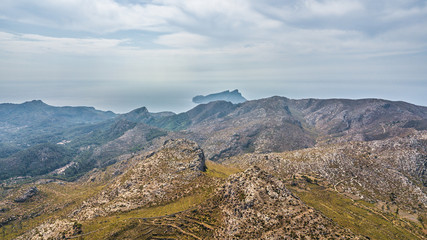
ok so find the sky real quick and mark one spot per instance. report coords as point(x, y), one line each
point(123, 54)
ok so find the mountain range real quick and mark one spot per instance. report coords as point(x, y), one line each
point(261, 169)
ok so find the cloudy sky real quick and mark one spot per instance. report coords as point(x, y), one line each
point(122, 54)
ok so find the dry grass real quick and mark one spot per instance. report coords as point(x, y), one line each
point(217, 170)
point(359, 216)
point(54, 201)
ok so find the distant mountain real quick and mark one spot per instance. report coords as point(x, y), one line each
point(222, 129)
point(233, 97)
point(278, 124)
point(143, 115)
point(34, 161)
point(35, 122)
point(38, 113)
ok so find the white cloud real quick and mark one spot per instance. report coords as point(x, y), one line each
point(230, 14)
point(227, 24)
point(332, 7)
point(396, 14)
point(103, 16)
point(98, 16)
point(183, 40)
point(33, 43)
point(4, 36)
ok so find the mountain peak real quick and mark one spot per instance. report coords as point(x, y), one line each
point(234, 97)
point(35, 103)
point(137, 115)
point(140, 110)
point(256, 194)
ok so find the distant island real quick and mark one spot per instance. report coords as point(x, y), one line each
point(233, 97)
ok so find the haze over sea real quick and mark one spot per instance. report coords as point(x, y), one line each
point(122, 54)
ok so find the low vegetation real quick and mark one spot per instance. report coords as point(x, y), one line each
point(359, 216)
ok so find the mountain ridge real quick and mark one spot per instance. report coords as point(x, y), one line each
point(224, 129)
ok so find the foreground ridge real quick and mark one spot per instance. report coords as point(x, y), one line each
point(257, 205)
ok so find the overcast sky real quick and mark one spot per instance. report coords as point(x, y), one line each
point(122, 54)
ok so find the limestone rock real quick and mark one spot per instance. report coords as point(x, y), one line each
point(163, 176)
point(27, 195)
point(256, 205)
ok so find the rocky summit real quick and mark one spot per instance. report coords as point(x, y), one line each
point(163, 176)
point(256, 205)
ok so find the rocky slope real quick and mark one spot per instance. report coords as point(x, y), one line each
point(167, 194)
point(256, 205)
point(392, 170)
point(369, 156)
point(364, 119)
point(223, 129)
point(249, 205)
point(166, 175)
point(279, 124)
point(129, 139)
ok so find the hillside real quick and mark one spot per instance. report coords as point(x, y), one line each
point(38, 113)
point(224, 129)
point(173, 193)
point(31, 123)
point(392, 171)
point(261, 169)
point(38, 160)
point(170, 173)
point(280, 124)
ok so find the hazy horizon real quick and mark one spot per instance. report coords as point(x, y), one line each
point(119, 55)
point(189, 104)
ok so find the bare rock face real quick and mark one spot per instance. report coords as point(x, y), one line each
point(163, 176)
point(256, 205)
point(185, 154)
point(57, 229)
point(27, 195)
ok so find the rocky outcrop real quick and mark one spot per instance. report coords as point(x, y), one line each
point(256, 205)
point(55, 229)
point(163, 176)
point(27, 195)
